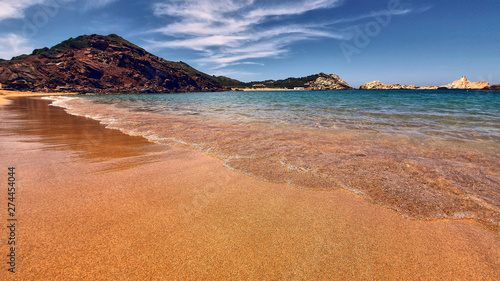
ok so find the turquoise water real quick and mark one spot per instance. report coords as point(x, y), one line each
point(424, 154)
point(462, 115)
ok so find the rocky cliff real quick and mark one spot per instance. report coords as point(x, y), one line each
point(328, 82)
point(101, 64)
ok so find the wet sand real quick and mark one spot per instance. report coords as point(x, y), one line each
point(96, 204)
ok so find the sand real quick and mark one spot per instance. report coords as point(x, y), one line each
point(95, 204)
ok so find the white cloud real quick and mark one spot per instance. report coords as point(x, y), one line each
point(230, 32)
point(14, 9)
point(292, 8)
point(200, 43)
point(13, 45)
point(234, 73)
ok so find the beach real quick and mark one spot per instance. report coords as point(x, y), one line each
point(96, 204)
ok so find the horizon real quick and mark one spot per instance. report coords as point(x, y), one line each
point(393, 41)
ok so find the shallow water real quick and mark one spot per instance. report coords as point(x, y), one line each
point(424, 154)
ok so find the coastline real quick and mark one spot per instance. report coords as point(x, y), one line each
point(142, 210)
point(262, 89)
point(6, 94)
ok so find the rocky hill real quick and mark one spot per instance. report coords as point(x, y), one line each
point(319, 81)
point(101, 64)
point(328, 82)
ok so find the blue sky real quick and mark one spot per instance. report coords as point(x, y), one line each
point(420, 42)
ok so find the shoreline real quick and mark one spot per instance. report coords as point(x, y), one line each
point(375, 171)
point(157, 211)
point(262, 89)
point(6, 94)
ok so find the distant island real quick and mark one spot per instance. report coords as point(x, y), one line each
point(319, 81)
point(461, 83)
point(111, 64)
point(333, 82)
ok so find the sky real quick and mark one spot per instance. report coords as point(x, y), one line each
point(421, 42)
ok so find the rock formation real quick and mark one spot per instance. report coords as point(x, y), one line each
point(463, 83)
point(328, 82)
point(428, 88)
point(101, 64)
point(377, 85)
point(495, 87)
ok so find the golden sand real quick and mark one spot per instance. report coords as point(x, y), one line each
point(164, 213)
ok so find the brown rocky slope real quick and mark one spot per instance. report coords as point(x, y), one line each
point(101, 64)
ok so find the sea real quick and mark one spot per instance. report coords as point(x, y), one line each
point(425, 154)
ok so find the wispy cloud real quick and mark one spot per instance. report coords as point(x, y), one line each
point(14, 9)
point(370, 15)
point(13, 45)
point(233, 73)
point(230, 32)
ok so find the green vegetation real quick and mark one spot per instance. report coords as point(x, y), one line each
point(289, 83)
point(119, 41)
point(20, 57)
point(78, 43)
point(116, 39)
point(229, 82)
point(188, 69)
point(99, 45)
point(46, 53)
point(225, 81)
